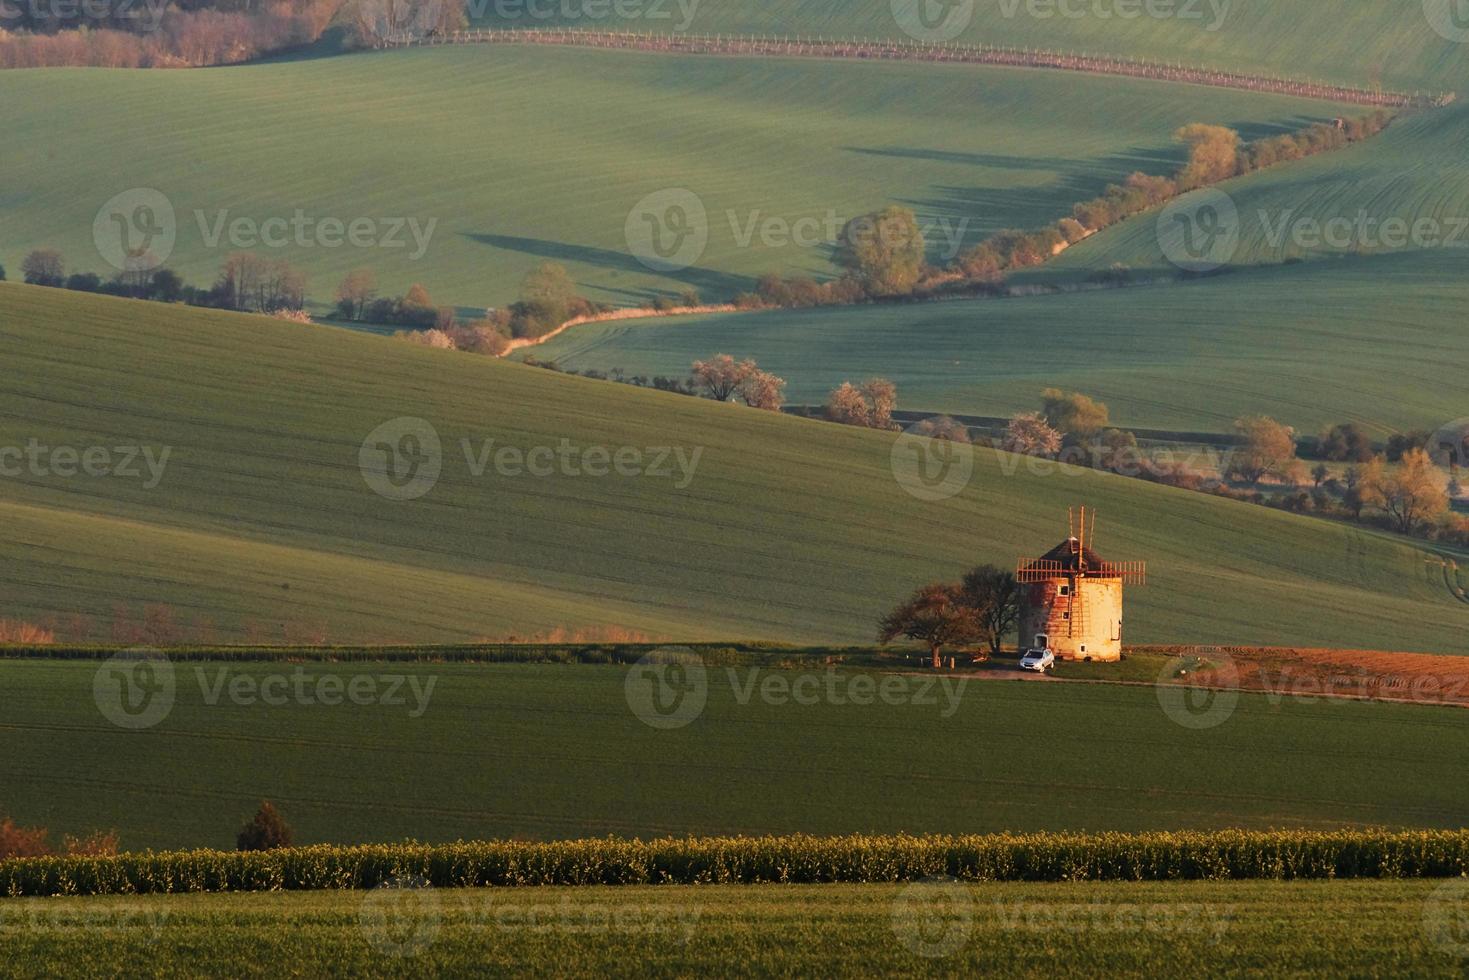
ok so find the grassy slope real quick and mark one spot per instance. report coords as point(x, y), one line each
point(525, 155)
point(1376, 337)
point(1344, 41)
point(1134, 930)
point(554, 752)
point(789, 529)
point(1411, 173)
point(1378, 340)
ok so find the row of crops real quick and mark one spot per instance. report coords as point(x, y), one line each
point(799, 859)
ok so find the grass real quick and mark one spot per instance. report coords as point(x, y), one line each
point(1373, 335)
point(537, 154)
point(1070, 930)
point(1341, 41)
point(1378, 341)
point(784, 530)
point(556, 752)
point(1408, 174)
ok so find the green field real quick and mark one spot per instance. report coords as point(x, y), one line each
point(1380, 341)
point(1347, 42)
point(1070, 930)
point(780, 529)
point(492, 164)
point(556, 752)
point(1373, 335)
point(1410, 174)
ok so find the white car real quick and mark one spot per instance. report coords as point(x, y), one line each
point(1039, 661)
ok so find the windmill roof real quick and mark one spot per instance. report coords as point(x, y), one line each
point(1069, 554)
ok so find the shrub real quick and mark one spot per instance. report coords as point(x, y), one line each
point(14, 631)
point(266, 831)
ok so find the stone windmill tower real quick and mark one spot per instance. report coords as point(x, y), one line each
point(1072, 599)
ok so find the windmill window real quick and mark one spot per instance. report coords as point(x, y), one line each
point(1063, 590)
point(1066, 615)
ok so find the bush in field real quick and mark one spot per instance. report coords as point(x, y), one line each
point(1268, 447)
point(15, 631)
point(1347, 443)
point(869, 405)
point(266, 831)
point(44, 267)
point(1029, 434)
point(884, 251)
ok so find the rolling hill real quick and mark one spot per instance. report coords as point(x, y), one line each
point(474, 145)
point(1404, 44)
point(1380, 341)
point(783, 528)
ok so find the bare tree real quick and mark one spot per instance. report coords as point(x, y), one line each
point(44, 267)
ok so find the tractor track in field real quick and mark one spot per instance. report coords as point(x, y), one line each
point(873, 49)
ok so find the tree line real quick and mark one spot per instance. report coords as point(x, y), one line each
point(245, 282)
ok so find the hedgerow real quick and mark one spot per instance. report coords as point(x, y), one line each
point(799, 859)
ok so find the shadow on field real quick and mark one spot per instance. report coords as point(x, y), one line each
point(712, 284)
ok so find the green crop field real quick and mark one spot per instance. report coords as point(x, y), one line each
point(778, 528)
point(1409, 175)
point(1347, 42)
point(478, 751)
point(972, 150)
point(1378, 340)
point(1068, 930)
point(1372, 334)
